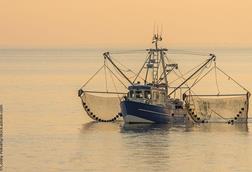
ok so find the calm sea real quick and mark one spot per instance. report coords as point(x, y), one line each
point(46, 129)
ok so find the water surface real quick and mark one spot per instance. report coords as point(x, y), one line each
point(46, 129)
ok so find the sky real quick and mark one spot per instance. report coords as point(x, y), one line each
point(124, 23)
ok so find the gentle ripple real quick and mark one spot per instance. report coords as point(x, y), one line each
point(45, 128)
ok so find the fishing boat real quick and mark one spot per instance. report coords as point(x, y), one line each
point(154, 100)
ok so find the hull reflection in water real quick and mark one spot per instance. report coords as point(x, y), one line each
point(165, 128)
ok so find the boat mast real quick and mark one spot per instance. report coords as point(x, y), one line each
point(159, 53)
point(164, 71)
point(154, 61)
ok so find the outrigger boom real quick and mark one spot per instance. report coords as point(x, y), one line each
point(212, 58)
point(106, 56)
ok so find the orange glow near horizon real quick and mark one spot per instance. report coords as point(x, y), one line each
point(115, 23)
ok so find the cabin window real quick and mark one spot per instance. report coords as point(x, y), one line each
point(131, 94)
point(139, 94)
point(147, 94)
point(155, 95)
point(162, 97)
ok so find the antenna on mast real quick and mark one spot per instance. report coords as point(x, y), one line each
point(157, 36)
point(154, 28)
point(161, 33)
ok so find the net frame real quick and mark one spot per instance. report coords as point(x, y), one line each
point(110, 102)
point(195, 113)
point(103, 97)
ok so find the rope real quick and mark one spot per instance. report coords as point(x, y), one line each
point(171, 51)
point(128, 51)
point(188, 52)
point(201, 78)
point(186, 73)
point(216, 79)
point(197, 77)
point(218, 114)
point(180, 77)
point(116, 77)
point(114, 85)
point(233, 80)
point(92, 76)
point(105, 73)
point(146, 59)
point(104, 92)
point(127, 70)
point(104, 66)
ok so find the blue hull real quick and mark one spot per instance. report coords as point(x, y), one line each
point(137, 112)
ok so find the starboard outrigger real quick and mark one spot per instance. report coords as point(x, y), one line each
point(156, 101)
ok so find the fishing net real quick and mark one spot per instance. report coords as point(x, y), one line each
point(218, 108)
point(101, 100)
point(101, 107)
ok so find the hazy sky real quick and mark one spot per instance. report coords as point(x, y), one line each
point(112, 23)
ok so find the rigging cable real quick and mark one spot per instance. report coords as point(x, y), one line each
point(186, 73)
point(127, 69)
point(92, 76)
point(105, 73)
point(201, 77)
point(198, 76)
point(116, 77)
point(128, 51)
point(216, 79)
point(147, 58)
point(233, 80)
point(111, 76)
point(198, 96)
point(179, 51)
